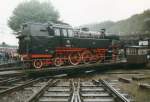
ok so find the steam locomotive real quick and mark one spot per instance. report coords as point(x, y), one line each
point(57, 44)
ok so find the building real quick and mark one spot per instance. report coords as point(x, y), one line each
point(11, 50)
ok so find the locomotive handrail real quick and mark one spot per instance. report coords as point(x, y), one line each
point(88, 35)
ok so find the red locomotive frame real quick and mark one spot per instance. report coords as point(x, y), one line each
point(63, 56)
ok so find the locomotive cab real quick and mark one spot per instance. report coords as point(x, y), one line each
point(42, 38)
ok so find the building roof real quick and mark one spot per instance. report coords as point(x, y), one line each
point(136, 47)
point(7, 46)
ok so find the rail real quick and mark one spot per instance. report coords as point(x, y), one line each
point(114, 92)
point(10, 80)
point(76, 92)
point(35, 96)
point(15, 88)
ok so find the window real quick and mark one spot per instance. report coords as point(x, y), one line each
point(24, 26)
point(57, 32)
point(128, 51)
point(70, 33)
point(131, 51)
point(142, 52)
point(38, 30)
point(50, 31)
point(64, 32)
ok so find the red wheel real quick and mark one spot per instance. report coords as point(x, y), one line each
point(86, 57)
point(58, 62)
point(37, 64)
point(75, 58)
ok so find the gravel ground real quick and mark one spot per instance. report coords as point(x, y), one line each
point(20, 96)
point(138, 94)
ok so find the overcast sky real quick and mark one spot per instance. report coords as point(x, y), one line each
point(77, 12)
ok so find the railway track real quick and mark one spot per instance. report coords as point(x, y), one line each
point(9, 79)
point(6, 64)
point(81, 91)
point(58, 91)
point(101, 91)
point(12, 84)
point(11, 68)
point(65, 90)
point(16, 65)
point(21, 88)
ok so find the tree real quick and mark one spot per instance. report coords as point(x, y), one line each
point(32, 11)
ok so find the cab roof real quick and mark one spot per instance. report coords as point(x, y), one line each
point(52, 24)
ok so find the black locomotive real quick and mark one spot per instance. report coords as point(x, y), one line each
point(42, 44)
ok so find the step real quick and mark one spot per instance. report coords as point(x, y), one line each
point(92, 89)
point(38, 85)
point(88, 85)
point(58, 89)
point(56, 92)
point(64, 84)
point(17, 84)
point(99, 100)
point(114, 81)
point(94, 92)
point(56, 95)
point(96, 95)
point(30, 88)
point(43, 99)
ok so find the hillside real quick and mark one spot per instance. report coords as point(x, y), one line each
point(98, 26)
point(136, 24)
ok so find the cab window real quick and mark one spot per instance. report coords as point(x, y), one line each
point(50, 31)
point(57, 32)
point(64, 32)
point(70, 33)
point(24, 26)
point(38, 30)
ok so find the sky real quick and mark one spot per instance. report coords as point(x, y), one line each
point(76, 12)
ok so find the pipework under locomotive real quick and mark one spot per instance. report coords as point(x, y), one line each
point(44, 44)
